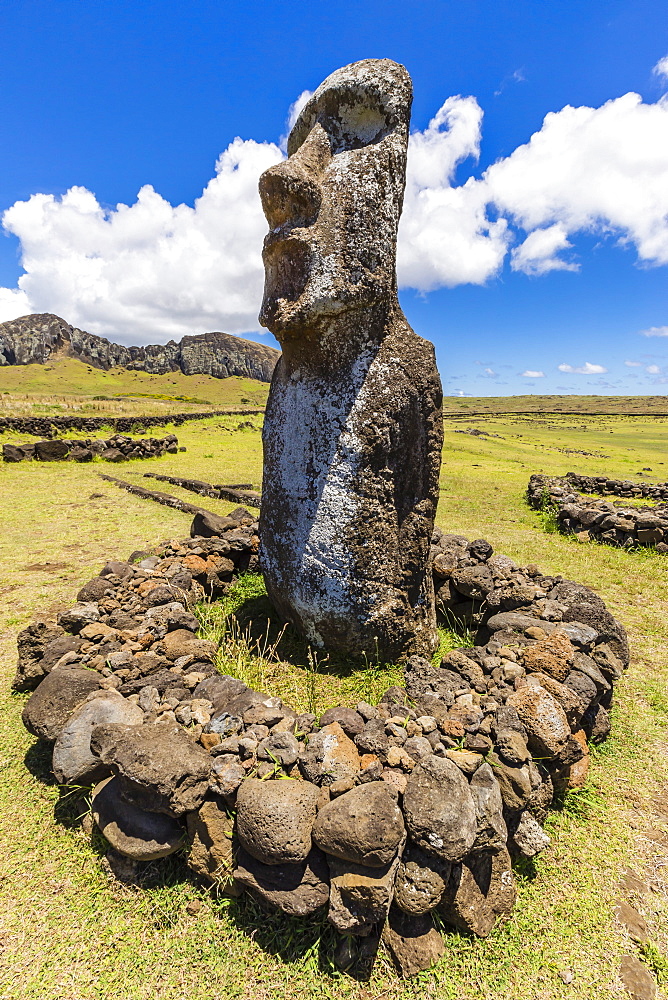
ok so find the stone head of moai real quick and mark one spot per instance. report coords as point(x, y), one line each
point(333, 207)
point(352, 434)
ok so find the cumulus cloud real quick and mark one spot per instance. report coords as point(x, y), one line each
point(586, 369)
point(147, 271)
point(529, 374)
point(661, 68)
point(151, 270)
point(445, 235)
point(537, 254)
point(655, 331)
point(633, 364)
point(653, 370)
point(591, 169)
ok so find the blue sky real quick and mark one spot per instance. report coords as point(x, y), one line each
point(104, 99)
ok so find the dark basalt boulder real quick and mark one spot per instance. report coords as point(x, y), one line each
point(49, 708)
point(298, 889)
point(164, 770)
point(364, 826)
point(134, 832)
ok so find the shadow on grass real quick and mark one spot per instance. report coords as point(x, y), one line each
point(309, 942)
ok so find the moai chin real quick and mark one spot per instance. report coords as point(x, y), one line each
point(353, 426)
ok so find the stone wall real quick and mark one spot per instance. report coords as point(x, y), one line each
point(614, 523)
point(410, 807)
point(116, 449)
point(50, 426)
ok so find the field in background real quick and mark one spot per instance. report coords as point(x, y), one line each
point(70, 932)
point(69, 387)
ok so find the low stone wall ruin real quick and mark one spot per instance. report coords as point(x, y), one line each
point(411, 807)
point(119, 448)
point(50, 426)
point(615, 523)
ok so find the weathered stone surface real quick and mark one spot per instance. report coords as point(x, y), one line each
point(132, 831)
point(438, 809)
point(512, 747)
point(79, 616)
point(353, 430)
point(514, 783)
point(73, 762)
point(51, 451)
point(421, 880)
point(587, 607)
point(363, 825)
point(165, 770)
point(359, 897)
point(182, 642)
point(296, 889)
point(275, 819)
point(329, 756)
point(33, 643)
point(529, 837)
point(553, 656)
point(481, 891)
point(49, 708)
point(210, 834)
point(596, 723)
point(491, 832)
point(583, 687)
point(413, 941)
point(206, 524)
point(544, 720)
point(637, 979)
point(351, 722)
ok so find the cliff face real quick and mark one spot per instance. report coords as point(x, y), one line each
point(34, 339)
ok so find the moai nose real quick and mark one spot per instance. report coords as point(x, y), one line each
point(290, 191)
point(288, 194)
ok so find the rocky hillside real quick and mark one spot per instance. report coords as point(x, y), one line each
point(36, 339)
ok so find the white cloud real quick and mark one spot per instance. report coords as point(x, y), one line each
point(592, 169)
point(655, 331)
point(445, 237)
point(633, 364)
point(537, 255)
point(150, 270)
point(661, 68)
point(13, 302)
point(489, 372)
point(653, 370)
point(529, 374)
point(586, 369)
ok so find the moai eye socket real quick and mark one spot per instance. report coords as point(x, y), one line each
point(355, 123)
point(352, 119)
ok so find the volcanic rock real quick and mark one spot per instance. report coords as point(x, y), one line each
point(132, 831)
point(165, 770)
point(297, 889)
point(363, 825)
point(275, 819)
point(439, 809)
point(49, 708)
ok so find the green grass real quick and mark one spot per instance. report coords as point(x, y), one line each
point(69, 931)
point(70, 386)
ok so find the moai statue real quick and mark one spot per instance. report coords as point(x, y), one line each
point(353, 426)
